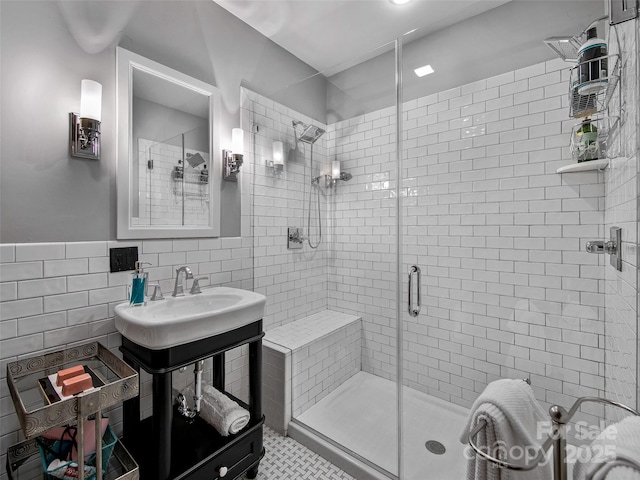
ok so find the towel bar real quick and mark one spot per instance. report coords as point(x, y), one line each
point(559, 418)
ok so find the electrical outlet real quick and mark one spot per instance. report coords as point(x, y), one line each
point(123, 259)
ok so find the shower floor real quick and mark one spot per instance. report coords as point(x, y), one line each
point(361, 416)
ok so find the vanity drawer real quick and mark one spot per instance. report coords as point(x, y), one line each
point(234, 460)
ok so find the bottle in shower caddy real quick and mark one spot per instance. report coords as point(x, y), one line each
point(178, 171)
point(204, 174)
point(592, 64)
point(587, 146)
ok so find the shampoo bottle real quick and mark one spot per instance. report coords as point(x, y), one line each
point(138, 285)
point(592, 64)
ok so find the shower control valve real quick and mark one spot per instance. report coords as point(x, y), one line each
point(595, 246)
point(295, 238)
point(612, 247)
point(602, 246)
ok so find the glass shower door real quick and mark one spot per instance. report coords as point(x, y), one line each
point(431, 359)
point(508, 288)
point(333, 299)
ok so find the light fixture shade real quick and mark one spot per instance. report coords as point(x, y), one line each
point(278, 153)
point(335, 170)
point(91, 100)
point(237, 141)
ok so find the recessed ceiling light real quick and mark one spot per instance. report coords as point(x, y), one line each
point(422, 71)
point(400, 2)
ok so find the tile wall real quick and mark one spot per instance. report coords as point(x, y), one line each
point(362, 266)
point(507, 287)
point(276, 386)
point(621, 182)
point(294, 281)
point(306, 360)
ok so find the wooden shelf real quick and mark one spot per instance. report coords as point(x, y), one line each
point(585, 166)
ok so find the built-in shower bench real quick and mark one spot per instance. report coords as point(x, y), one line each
point(305, 360)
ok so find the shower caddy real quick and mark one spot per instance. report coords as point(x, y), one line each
point(593, 108)
point(559, 418)
point(120, 383)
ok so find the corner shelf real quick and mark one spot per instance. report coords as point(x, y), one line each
point(591, 165)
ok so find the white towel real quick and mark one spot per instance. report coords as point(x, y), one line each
point(219, 411)
point(514, 418)
point(614, 454)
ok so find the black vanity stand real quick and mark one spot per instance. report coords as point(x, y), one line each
point(166, 445)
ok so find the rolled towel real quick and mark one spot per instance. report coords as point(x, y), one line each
point(219, 411)
point(512, 415)
point(614, 454)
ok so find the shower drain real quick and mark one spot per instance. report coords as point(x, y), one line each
point(435, 447)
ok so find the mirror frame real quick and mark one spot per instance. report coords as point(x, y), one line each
point(126, 61)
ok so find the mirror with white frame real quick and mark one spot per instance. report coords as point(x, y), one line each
point(168, 179)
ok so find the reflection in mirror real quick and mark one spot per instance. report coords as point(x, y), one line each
point(166, 152)
point(172, 184)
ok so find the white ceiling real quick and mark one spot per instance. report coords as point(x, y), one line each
point(333, 35)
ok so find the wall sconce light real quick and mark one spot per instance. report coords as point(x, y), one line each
point(84, 128)
point(335, 172)
point(232, 159)
point(276, 165)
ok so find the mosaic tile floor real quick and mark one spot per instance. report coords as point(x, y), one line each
point(286, 459)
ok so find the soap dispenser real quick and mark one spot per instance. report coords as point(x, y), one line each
point(139, 284)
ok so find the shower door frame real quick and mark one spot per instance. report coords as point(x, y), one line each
point(399, 262)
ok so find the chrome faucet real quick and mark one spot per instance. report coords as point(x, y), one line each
point(178, 289)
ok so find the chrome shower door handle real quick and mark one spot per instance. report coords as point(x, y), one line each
point(414, 311)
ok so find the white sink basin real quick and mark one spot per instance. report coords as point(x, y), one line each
point(179, 320)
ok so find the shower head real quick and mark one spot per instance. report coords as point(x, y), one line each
point(310, 133)
point(194, 159)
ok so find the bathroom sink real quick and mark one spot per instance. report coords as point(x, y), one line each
point(179, 320)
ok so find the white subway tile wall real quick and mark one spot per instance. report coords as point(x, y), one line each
point(294, 281)
point(362, 266)
point(276, 386)
point(508, 290)
point(621, 183)
point(325, 352)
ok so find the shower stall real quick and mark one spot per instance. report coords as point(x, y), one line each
point(455, 248)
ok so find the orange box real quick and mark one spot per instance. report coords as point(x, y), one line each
point(76, 384)
point(68, 373)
